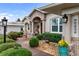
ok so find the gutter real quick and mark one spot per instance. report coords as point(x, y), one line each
point(49, 5)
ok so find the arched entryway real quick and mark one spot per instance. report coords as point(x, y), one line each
point(37, 25)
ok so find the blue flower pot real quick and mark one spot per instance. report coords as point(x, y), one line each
point(63, 51)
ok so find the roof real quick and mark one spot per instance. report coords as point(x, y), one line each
point(25, 18)
point(13, 24)
point(49, 5)
point(44, 12)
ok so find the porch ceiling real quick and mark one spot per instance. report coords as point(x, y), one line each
point(57, 9)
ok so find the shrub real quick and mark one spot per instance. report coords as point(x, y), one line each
point(20, 34)
point(51, 37)
point(13, 35)
point(47, 36)
point(34, 42)
point(16, 52)
point(39, 36)
point(5, 46)
point(56, 38)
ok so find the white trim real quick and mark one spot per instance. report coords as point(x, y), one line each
point(57, 32)
point(58, 25)
point(50, 5)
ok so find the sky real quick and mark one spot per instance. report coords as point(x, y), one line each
point(13, 11)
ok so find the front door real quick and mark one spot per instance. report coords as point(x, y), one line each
point(37, 27)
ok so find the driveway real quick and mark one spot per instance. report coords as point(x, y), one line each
point(35, 52)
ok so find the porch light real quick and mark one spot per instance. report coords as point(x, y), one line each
point(65, 18)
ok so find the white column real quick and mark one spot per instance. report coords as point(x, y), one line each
point(24, 29)
point(43, 26)
point(32, 27)
point(67, 30)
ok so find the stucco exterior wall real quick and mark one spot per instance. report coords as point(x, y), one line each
point(68, 28)
point(37, 14)
point(42, 18)
point(49, 18)
point(10, 28)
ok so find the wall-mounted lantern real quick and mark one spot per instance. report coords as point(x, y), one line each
point(65, 18)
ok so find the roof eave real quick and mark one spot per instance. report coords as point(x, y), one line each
point(49, 5)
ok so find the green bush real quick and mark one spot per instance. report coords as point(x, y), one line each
point(13, 35)
point(34, 42)
point(52, 37)
point(5, 46)
point(39, 36)
point(16, 52)
point(47, 35)
point(7, 40)
point(55, 38)
point(20, 34)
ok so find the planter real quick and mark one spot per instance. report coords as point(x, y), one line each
point(63, 51)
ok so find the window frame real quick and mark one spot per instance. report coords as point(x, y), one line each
point(57, 25)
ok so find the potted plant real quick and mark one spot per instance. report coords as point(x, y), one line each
point(63, 48)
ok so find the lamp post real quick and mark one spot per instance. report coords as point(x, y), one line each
point(4, 24)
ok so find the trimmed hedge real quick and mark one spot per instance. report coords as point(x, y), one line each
point(52, 37)
point(34, 42)
point(16, 52)
point(5, 46)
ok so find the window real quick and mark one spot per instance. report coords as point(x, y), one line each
point(56, 25)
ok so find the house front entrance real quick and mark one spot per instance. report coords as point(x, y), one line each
point(37, 26)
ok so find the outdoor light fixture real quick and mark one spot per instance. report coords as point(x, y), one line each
point(65, 18)
point(4, 24)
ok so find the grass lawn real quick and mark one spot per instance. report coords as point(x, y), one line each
point(11, 48)
point(7, 39)
point(2, 37)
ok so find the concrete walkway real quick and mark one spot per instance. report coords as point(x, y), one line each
point(35, 52)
